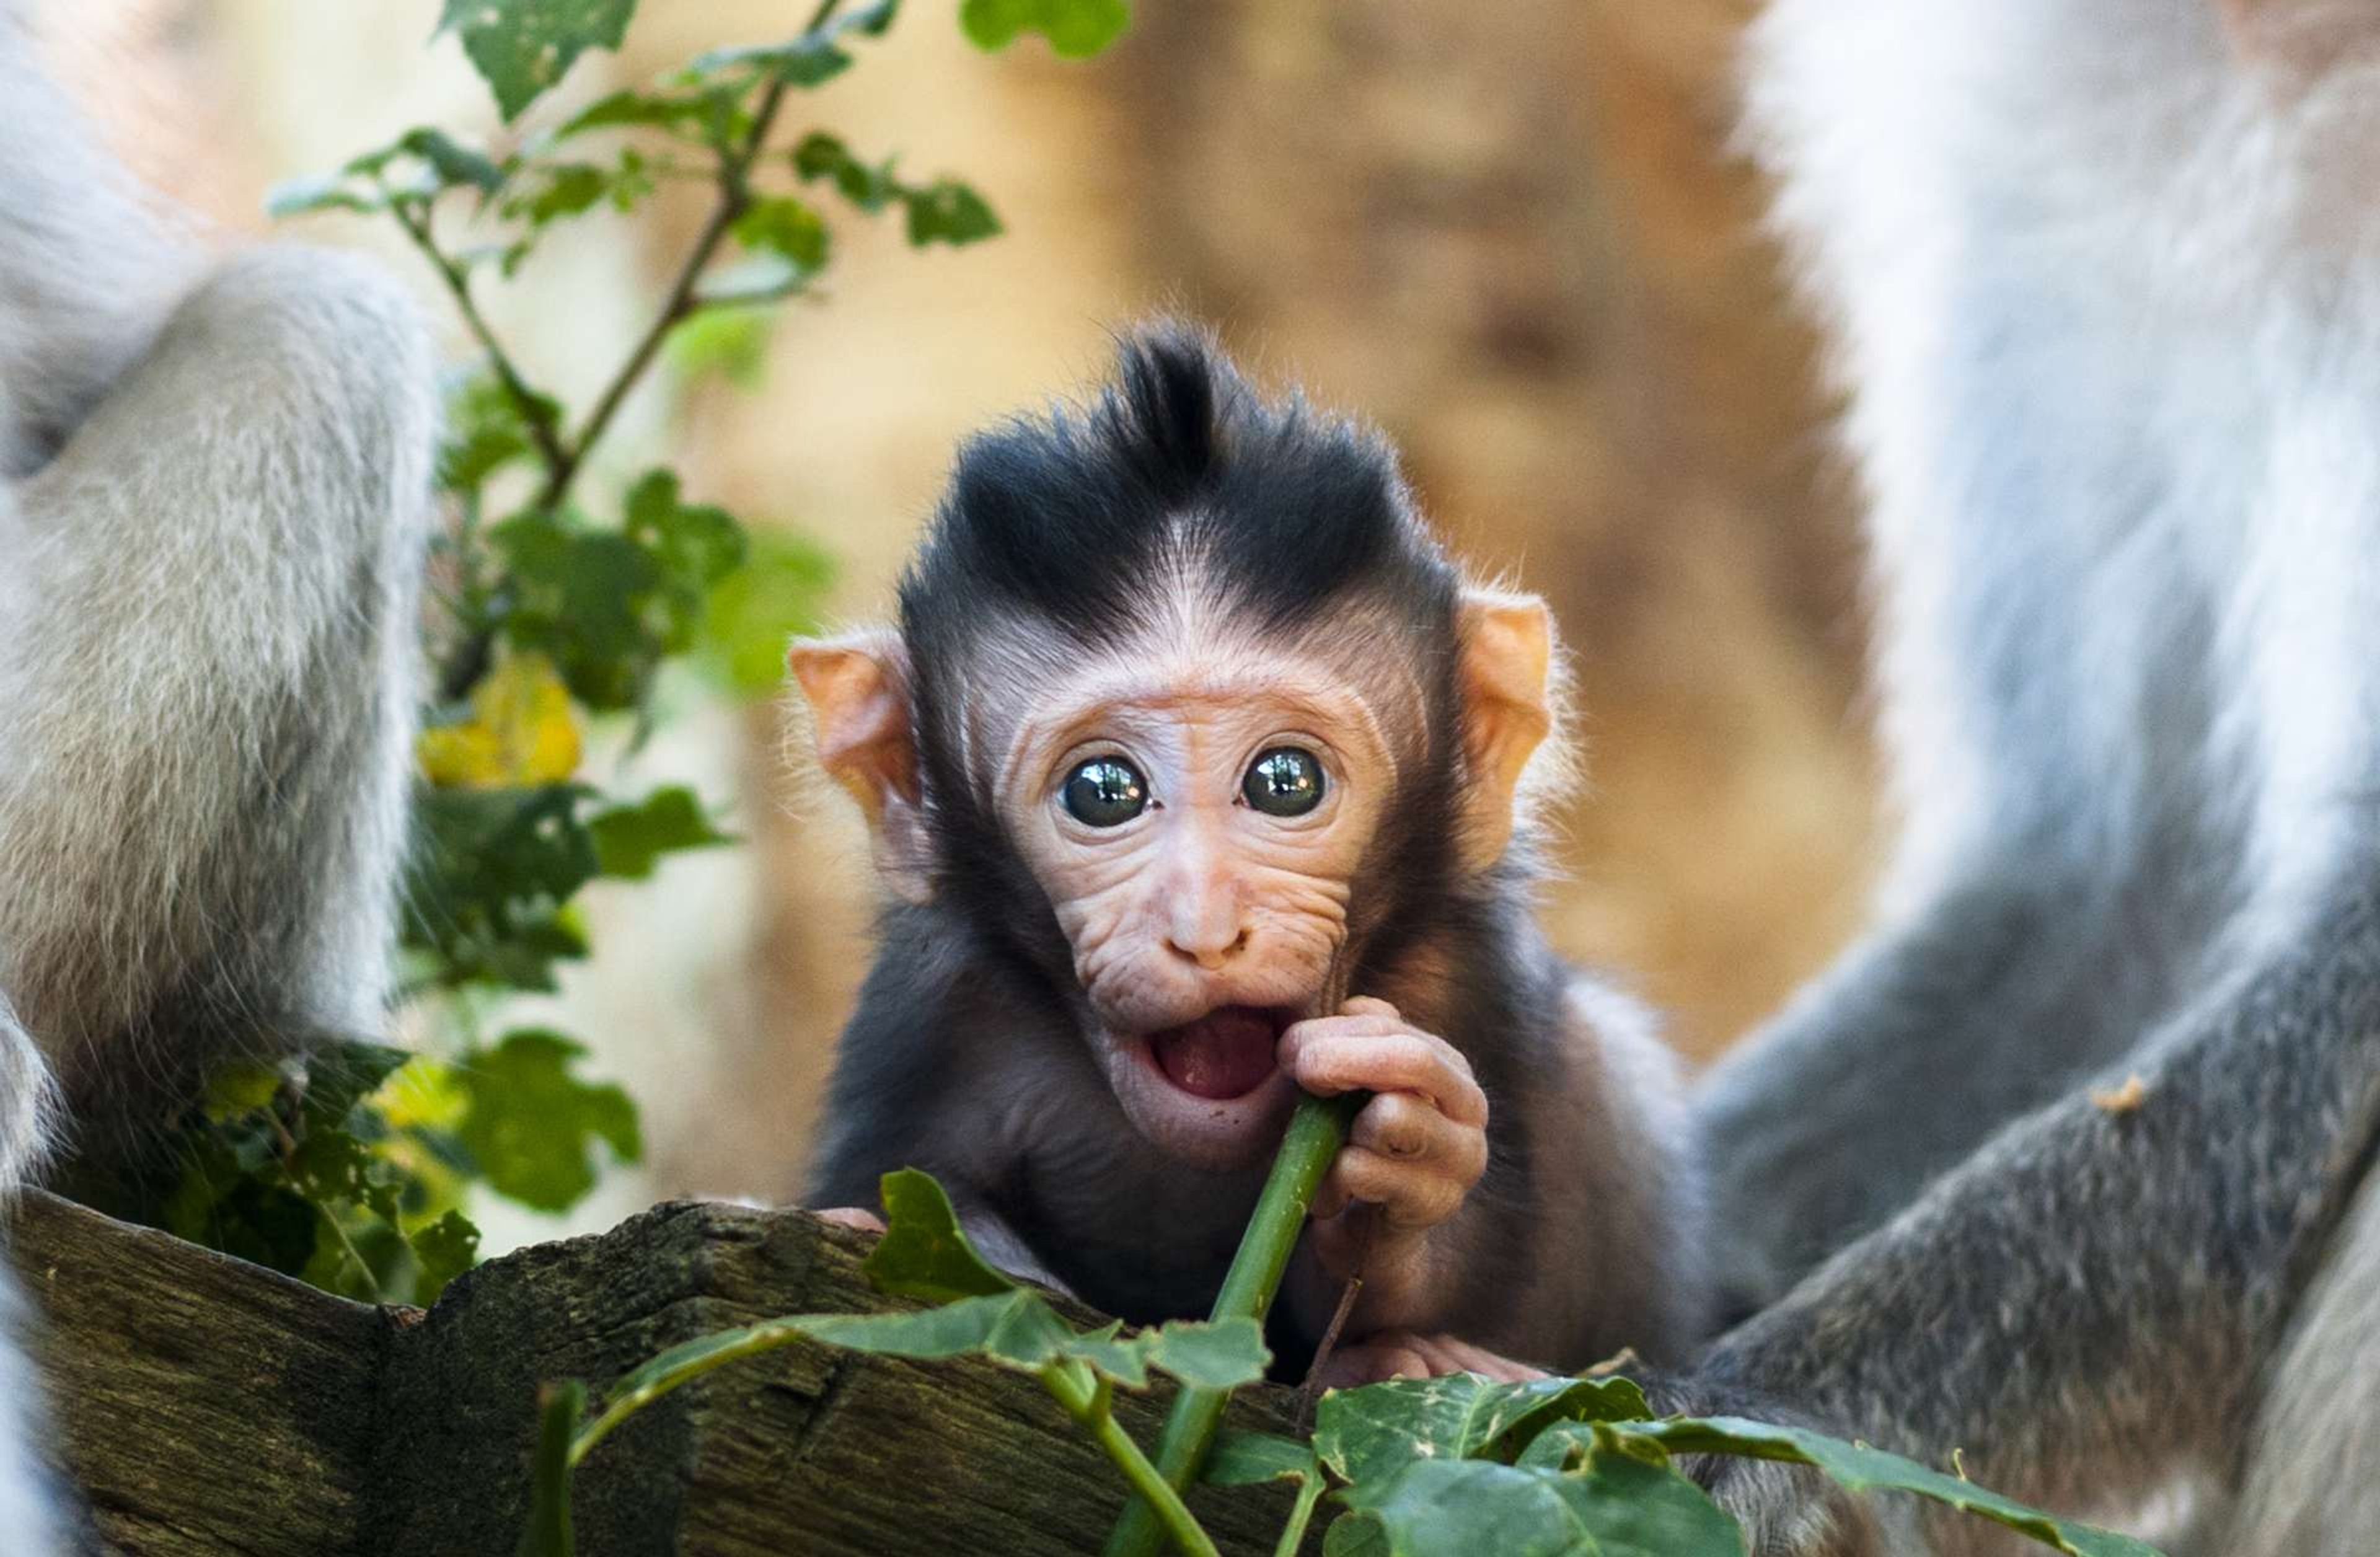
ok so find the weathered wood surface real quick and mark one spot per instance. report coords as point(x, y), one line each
point(209, 1408)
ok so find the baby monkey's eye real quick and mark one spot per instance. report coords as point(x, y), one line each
point(1105, 792)
point(1285, 781)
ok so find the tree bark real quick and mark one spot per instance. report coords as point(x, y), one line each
point(211, 1408)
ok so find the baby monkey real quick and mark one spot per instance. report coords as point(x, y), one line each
point(1185, 716)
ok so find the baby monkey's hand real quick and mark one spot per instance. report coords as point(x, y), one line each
point(1411, 1158)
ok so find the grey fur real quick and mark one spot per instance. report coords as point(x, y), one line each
point(214, 500)
point(2110, 310)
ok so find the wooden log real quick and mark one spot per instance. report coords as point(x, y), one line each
point(210, 1408)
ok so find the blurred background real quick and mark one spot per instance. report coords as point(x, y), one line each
point(1512, 234)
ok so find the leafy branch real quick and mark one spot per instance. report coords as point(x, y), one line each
point(561, 611)
point(1415, 1468)
point(735, 199)
point(981, 1313)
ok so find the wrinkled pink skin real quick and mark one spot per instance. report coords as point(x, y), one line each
point(1203, 901)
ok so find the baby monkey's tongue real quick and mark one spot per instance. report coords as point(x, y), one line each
point(1225, 1053)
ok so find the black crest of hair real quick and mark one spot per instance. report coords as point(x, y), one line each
point(1175, 474)
point(1077, 516)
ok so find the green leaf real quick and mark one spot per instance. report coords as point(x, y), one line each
point(782, 226)
point(1459, 1508)
point(1617, 1504)
point(485, 431)
point(873, 20)
point(1244, 1459)
point(1209, 1355)
point(810, 60)
point(630, 839)
point(608, 606)
point(321, 191)
point(694, 544)
point(246, 1216)
point(764, 278)
point(757, 611)
point(239, 1087)
point(867, 186)
point(1365, 1433)
point(1639, 1505)
point(580, 596)
point(442, 1250)
point(521, 47)
point(489, 879)
point(730, 342)
point(943, 212)
point(561, 190)
point(548, 1533)
point(711, 115)
point(924, 1253)
point(1075, 29)
point(948, 212)
point(1016, 1328)
point(340, 1076)
point(452, 164)
point(531, 1126)
point(329, 1167)
point(1862, 1469)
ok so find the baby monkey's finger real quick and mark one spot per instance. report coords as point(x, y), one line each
point(1407, 1128)
point(1407, 1060)
point(1411, 1196)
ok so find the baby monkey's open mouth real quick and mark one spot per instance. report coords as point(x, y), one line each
point(1226, 1053)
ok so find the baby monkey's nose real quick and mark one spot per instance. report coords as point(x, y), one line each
point(1209, 947)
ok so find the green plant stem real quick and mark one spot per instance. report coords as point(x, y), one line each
point(1088, 1402)
point(563, 460)
point(621, 1409)
point(531, 410)
point(547, 1532)
point(734, 198)
point(1300, 1513)
point(1316, 1130)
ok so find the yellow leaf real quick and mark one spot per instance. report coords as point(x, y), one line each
point(422, 1093)
point(522, 730)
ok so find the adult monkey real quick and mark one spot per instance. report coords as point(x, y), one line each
point(2106, 274)
point(214, 498)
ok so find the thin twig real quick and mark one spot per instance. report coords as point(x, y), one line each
point(1311, 1391)
point(1087, 1401)
point(457, 281)
point(735, 198)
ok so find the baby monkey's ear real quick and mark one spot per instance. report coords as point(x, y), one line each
point(858, 687)
point(1508, 642)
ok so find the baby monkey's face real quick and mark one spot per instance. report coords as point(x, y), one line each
point(1198, 805)
point(1195, 814)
